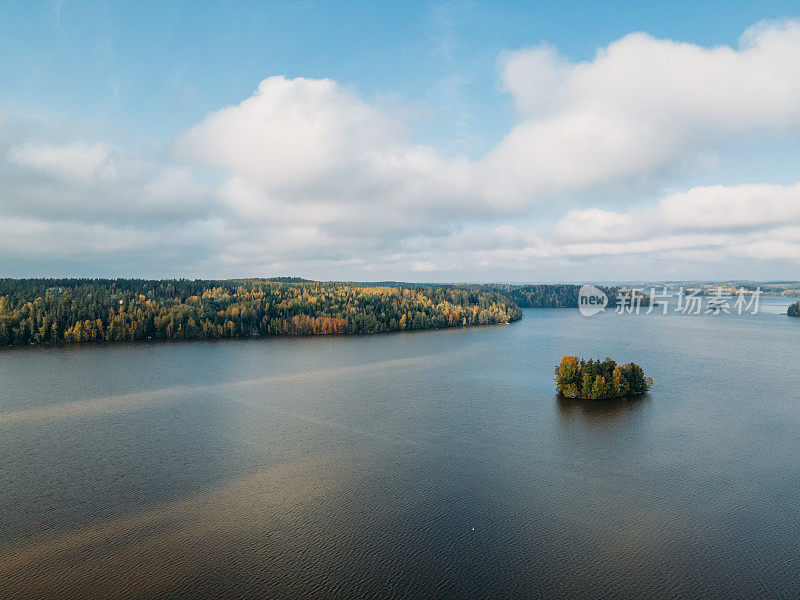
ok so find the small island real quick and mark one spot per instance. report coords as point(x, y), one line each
point(599, 380)
point(794, 310)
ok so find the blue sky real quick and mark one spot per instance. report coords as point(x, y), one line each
point(125, 82)
point(151, 69)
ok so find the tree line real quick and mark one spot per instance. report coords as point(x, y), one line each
point(537, 295)
point(545, 295)
point(53, 311)
point(554, 295)
point(599, 380)
point(794, 310)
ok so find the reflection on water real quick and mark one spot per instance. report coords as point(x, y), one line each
point(140, 400)
point(600, 411)
point(435, 464)
point(136, 554)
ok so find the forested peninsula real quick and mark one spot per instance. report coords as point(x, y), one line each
point(54, 311)
point(794, 310)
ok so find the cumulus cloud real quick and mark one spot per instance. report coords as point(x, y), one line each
point(77, 162)
point(742, 206)
point(292, 133)
point(315, 143)
point(640, 106)
point(75, 207)
point(759, 221)
point(312, 170)
point(95, 183)
point(309, 177)
point(594, 224)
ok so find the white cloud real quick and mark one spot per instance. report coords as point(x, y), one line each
point(751, 207)
point(77, 162)
point(640, 106)
point(310, 151)
point(594, 224)
point(311, 178)
point(754, 220)
point(292, 133)
point(95, 183)
point(717, 207)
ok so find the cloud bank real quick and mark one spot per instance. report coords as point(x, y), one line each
point(307, 176)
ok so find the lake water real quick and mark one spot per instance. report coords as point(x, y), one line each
point(435, 464)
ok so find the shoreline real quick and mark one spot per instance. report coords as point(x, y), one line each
point(160, 341)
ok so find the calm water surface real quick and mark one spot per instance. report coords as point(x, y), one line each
point(434, 464)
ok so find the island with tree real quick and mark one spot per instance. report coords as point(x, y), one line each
point(600, 380)
point(794, 310)
point(55, 311)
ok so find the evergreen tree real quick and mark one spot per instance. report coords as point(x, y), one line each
point(578, 378)
point(48, 311)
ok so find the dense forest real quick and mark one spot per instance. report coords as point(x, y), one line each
point(600, 380)
point(539, 295)
point(536, 295)
point(794, 310)
point(550, 295)
point(51, 311)
point(543, 295)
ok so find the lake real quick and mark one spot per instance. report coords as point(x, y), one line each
point(435, 464)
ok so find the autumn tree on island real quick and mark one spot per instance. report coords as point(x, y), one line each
point(600, 380)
